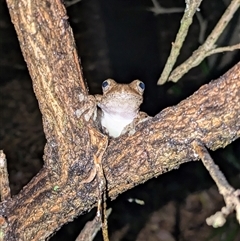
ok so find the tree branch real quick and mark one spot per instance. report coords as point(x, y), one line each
point(60, 192)
point(229, 194)
point(161, 144)
point(191, 8)
point(208, 46)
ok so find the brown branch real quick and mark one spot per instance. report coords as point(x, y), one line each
point(60, 192)
point(163, 142)
point(160, 144)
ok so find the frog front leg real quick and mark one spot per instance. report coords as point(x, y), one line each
point(131, 128)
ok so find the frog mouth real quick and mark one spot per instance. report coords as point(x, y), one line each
point(122, 109)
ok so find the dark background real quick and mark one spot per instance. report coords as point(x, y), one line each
point(123, 40)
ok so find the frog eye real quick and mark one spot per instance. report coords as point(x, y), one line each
point(105, 84)
point(141, 86)
point(138, 85)
point(108, 84)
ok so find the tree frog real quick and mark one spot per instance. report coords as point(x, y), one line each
point(119, 106)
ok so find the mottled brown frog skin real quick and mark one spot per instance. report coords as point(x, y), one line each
point(119, 106)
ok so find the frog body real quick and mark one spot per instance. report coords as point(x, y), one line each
point(119, 106)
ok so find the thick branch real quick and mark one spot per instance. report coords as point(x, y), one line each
point(161, 144)
point(60, 191)
point(211, 115)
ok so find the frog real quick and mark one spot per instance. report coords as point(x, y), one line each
point(119, 107)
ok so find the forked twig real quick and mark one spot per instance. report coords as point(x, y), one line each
point(209, 46)
point(230, 195)
point(191, 7)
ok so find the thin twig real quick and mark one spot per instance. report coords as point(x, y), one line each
point(209, 45)
point(203, 27)
point(231, 196)
point(70, 3)
point(91, 228)
point(102, 141)
point(5, 192)
point(191, 7)
point(158, 9)
point(223, 49)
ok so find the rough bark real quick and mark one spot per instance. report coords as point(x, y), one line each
point(60, 192)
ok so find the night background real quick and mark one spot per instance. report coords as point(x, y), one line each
point(125, 40)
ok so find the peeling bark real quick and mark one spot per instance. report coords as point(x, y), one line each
point(58, 193)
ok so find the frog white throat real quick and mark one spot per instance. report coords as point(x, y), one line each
point(115, 124)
